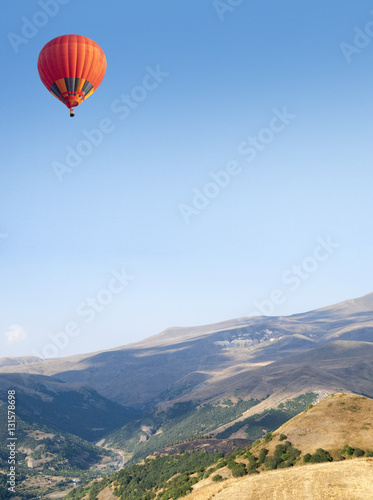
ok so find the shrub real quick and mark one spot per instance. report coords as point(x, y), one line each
point(270, 463)
point(252, 461)
point(359, 453)
point(285, 455)
point(262, 456)
point(347, 450)
point(279, 450)
point(217, 478)
point(282, 437)
point(239, 470)
point(320, 456)
point(307, 458)
point(268, 437)
point(369, 453)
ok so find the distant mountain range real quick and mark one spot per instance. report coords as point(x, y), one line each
point(148, 393)
point(248, 357)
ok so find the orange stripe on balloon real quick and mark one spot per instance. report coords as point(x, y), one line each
point(61, 84)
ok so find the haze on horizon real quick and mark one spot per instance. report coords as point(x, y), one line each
point(239, 184)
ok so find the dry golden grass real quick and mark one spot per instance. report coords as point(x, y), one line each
point(352, 479)
point(338, 420)
point(107, 494)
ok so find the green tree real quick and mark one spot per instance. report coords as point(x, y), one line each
point(268, 437)
point(320, 456)
point(239, 470)
point(262, 455)
point(347, 450)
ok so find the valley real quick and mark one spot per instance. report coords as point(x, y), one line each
point(238, 379)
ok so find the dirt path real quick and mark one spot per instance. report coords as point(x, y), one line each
point(122, 456)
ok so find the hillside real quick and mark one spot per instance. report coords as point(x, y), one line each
point(337, 420)
point(209, 362)
point(237, 379)
point(73, 408)
point(187, 420)
point(337, 481)
point(311, 471)
point(48, 459)
point(18, 361)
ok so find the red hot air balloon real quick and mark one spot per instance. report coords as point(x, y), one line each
point(71, 67)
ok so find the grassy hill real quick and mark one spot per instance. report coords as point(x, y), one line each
point(301, 467)
point(337, 481)
point(338, 420)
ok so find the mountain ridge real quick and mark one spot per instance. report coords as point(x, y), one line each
point(183, 360)
point(236, 379)
point(359, 304)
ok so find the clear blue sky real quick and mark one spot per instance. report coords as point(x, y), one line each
point(225, 74)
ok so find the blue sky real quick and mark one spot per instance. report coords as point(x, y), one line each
point(274, 99)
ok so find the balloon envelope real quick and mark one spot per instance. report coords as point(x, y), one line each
point(71, 67)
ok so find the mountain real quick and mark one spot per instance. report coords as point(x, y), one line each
point(18, 361)
point(237, 378)
point(73, 408)
point(209, 362)
point(290, 463)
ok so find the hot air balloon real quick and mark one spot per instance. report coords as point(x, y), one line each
point(71, 67)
